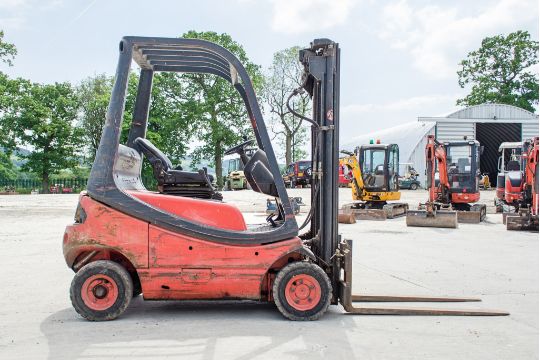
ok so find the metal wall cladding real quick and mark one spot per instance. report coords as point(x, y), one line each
point(455, 131)
point(529, 130)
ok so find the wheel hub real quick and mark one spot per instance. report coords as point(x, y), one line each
point(99, 292)
point(303, 292)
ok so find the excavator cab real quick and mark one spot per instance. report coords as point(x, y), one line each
point(380, 166)
point(374, 173)
point(463, 167)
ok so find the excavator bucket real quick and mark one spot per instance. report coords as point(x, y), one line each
point(436, 218)
point(347, 299)
point(388, 211)
point(521, 222)
point(475, 215)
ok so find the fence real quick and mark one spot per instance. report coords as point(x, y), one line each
point(25, 186)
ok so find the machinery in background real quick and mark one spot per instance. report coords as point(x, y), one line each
point(373, 172)
point(237, 180)
point(343, 181)
point(509, 177)
point(484, 183)
point(298, 173)
point(410, 179)
point(526, 215)
point(452, 170)
point(273, 209)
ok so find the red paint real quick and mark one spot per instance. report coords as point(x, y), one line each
point(303, 292)
point(197, 269)
point(107, 230)
point(207, 212)
point(512, 194)
point(342, 179)
point(464, 198)
point(176, 266)
point(99, 292)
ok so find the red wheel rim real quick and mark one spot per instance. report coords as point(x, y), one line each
point(99, 292)
point(303, 292)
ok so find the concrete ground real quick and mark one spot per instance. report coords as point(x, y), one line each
point(37, 320)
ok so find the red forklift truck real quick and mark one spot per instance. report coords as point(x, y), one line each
point(183, 242)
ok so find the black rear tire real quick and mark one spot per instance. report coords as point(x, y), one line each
point(120, 280)
point(318, 278)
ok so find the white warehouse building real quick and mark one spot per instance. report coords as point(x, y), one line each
point(490, 124)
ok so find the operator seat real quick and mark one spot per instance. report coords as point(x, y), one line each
point(514, 174)
point(513, 165)
point(176, 181)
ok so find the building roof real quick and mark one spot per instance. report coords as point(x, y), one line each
point(485, 113)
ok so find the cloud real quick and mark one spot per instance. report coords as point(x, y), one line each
point(359, 119)
point(298, 16)
point(412, 103)
point(16, 12)
point(12, 4)
point(438, 37)
point(12, 23)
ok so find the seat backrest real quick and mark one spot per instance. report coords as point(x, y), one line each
point(153, 153)
point(513, 165)
point(258, 175)
point(127, 169)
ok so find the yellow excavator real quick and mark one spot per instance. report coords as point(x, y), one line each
point(373, 171)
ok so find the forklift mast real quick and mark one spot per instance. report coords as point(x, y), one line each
point(321, 80)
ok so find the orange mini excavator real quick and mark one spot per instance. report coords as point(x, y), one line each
point(526, 215)
point(184, 242)
point(453, 170)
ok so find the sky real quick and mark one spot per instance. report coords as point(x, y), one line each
point(398, 58)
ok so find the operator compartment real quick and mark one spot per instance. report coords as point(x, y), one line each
point(204, 211)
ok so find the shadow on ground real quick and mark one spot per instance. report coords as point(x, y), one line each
point(240, 330)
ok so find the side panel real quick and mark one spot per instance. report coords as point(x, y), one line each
point(107, 229)
point(183, 267)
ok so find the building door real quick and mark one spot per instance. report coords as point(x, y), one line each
point(491, 135)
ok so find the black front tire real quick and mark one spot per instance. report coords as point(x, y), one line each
point(122, 281)
point(414, 186)
point(302, 269)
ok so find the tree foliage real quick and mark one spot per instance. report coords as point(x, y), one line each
point(42, 119)
point(214, 107)
point(7, 50)
point(502, 71)
point(94, 94)
point(7, 169)
point(283, 78)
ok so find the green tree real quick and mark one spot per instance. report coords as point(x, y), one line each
point(214, 107)
point(7, 50)
point(169, 127)
point(7, 91)
point(502, 71)
point(7, 170)
point(43, 118)
point(94, 94)
point(283, 78)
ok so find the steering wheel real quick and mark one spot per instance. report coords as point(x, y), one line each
point(238, 148)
